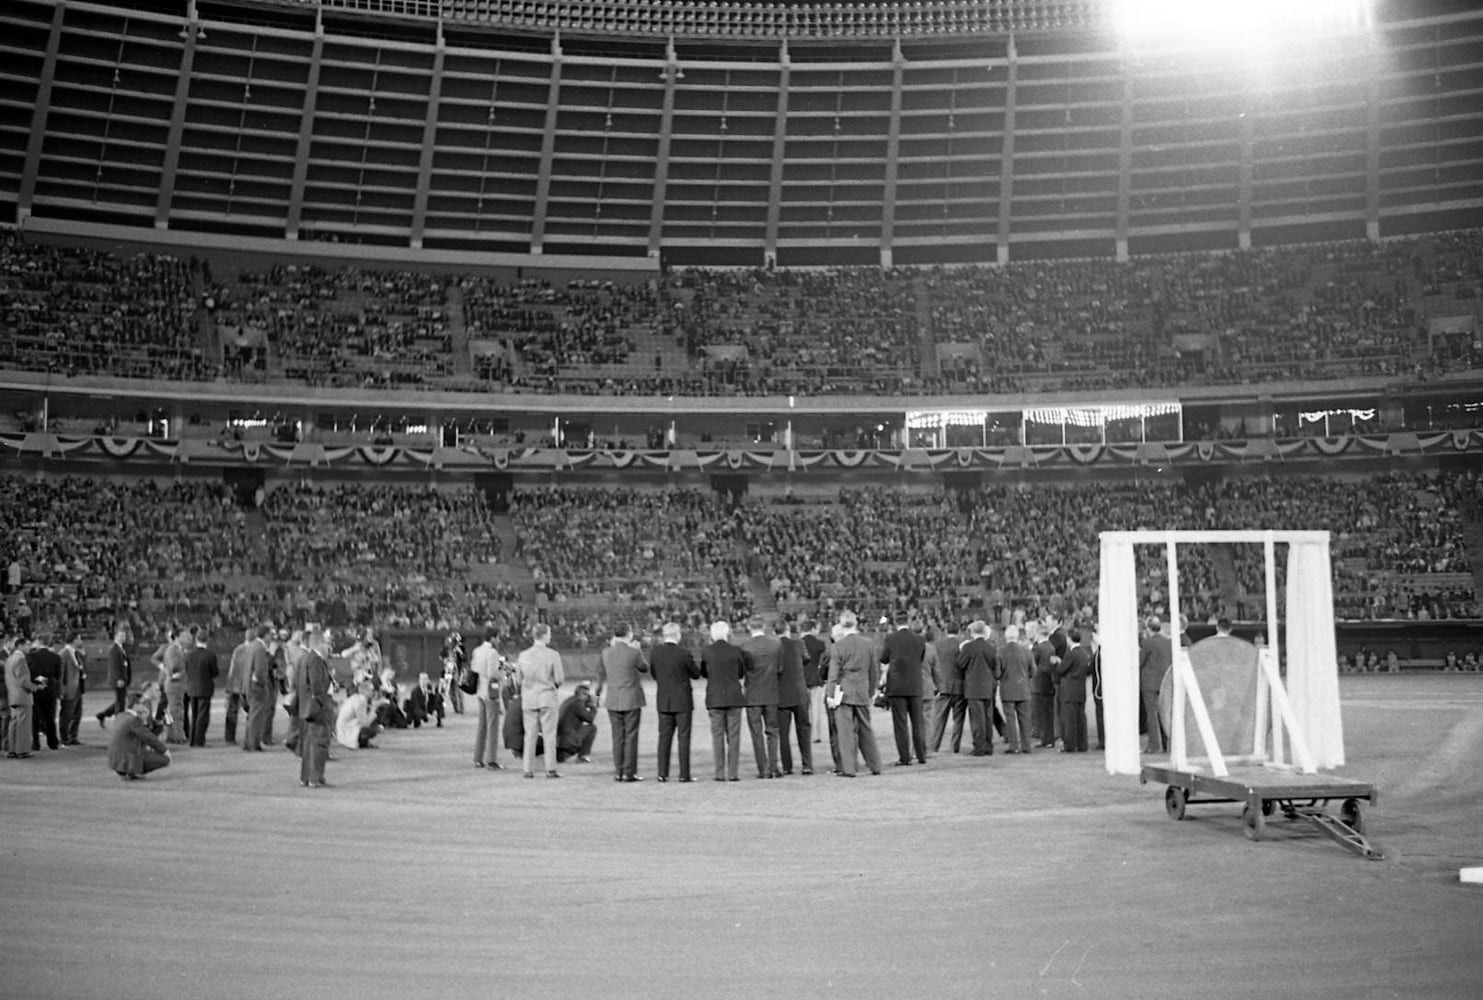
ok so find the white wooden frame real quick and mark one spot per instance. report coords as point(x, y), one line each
point(1272, 700)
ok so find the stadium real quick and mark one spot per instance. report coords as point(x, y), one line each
point(446, 316)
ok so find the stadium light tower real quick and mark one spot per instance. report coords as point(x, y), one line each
point(1248, 27)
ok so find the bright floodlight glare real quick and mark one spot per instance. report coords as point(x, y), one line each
point(1237, 24)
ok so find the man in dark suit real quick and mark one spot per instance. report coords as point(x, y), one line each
point(45, 666)
point(950, 694)
point(851, 688)
point(134, 751)
point(1155, 657)
point(1014, 690)
point(764, 664)
point(262, 688)
point(980, 665)
point(315, 707)
point(723, 665)
point(793, 704)
point(903, 653)
point(1043, 689)
point(618, 671)
point(200, 685)
point(1073, 671)
point(120, 673)
point(674, 668)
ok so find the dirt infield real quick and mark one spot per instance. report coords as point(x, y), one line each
point(418, 875)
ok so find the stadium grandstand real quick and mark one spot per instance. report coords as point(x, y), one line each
point(427, 313)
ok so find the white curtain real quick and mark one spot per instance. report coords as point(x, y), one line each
point(1312, 668)
point(1117, 624)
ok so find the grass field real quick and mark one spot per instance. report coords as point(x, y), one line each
point(418, 875)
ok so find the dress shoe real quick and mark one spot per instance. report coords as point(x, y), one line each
point(478, 763)
point(686, 781)
point(876, 773)
point(842, 774)
point(319, 784)
point(102, 722)
point(552, 774)
point(495, 767)
point(663, 779)
point(583, 759)
point(733, 779)
point(529, 774)
point(922, 761)
point(900, 763)
point(807, 770)
point(630, 779)
point(720, 779)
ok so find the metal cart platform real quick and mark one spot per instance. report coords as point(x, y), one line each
point(1264, 790)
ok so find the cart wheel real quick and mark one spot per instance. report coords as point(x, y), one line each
point(1269, 806)
point(1174, 801)
point(1352, 815)
point(1253, 822)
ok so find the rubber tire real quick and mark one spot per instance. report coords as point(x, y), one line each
point(1352, 815)
point(1253, 823)
point(1174, 802)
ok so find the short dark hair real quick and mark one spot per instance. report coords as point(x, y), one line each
point(1223, 623)
point(1074, 635)
point(622, 630)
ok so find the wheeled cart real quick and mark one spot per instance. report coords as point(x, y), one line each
point(1264, 790)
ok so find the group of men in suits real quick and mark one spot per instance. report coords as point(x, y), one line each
point(41, 697)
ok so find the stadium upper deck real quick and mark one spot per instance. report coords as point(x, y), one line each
point(630, 134)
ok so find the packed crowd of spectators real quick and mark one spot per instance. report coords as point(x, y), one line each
point(96, 551)
point(349, 326)
point(645, 556)
point(78, 311)
point(875, 550)
point(550, 329)
point(1315, 312)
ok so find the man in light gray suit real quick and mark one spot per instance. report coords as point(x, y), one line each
point(853, 662)
point(618, 670)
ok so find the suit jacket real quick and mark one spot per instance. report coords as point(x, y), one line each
point(173, 671)
point(618, 668)
point(674, 668)
point(723, 666)
point(120, 672)
point(312, 697)
point(792, 691)
point(852, 666)
point(18, 683)
point(127, 742)
point(1155, 657)
point(904, 651)
point(74, 676)
point(239, 670)
point(815, 660)
point(764, 664)
point(1018, 665)
point(44, 662)
point(980, 665)
point(261, 682)
point(947, 664)
point(1044, 680)
point(200, 673)
point(1074, 670)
